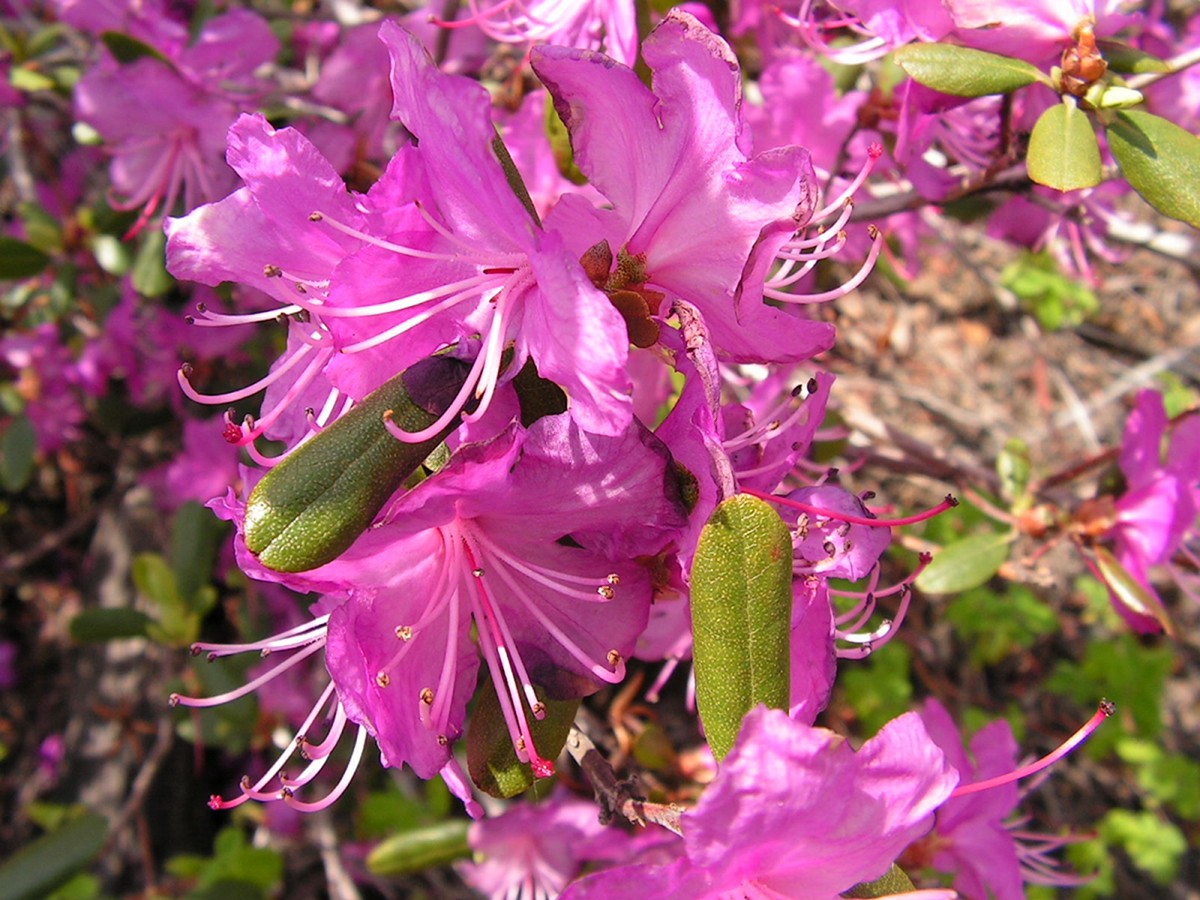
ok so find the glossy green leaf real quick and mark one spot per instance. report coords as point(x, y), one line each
point(19, 259)
point(741, 589)
point(51, 860)
point(1129, 60)
point(107, 624)
point(965, 564)
point(1063, 152)
point(18, 448)
point(1130, 592)
point(1160, 161)
point(894, 881)
point(491, 760)
point(964, 72)
point(127, 49)
point(418, 849)
point(310, 507)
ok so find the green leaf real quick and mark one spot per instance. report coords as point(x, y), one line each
point(420, 849)
point(1130, 591)
point(1160, 161)
point(18, 448)
point(1063, 152)
point(126, 49)
point(491, 760)
point(741, 616)
point(195, 537)
point(51, 860)
point(107, 624)
point(965, 564)
point(19, 259)
point(149, 275)
point(1014, 467)
point(894, 881)
point(1129, 60)
point(964, 72)
point(313, 505)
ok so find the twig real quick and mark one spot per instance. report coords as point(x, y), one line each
point(163, 740)
point(337, 880)
point(1183, 61)
point(619, 796)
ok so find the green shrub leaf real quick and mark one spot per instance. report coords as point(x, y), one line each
point(1160, 161)
point(964, 72)
point(1063, 153)
point(741, 616)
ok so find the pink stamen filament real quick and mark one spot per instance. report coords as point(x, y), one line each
point(248, 391)
point(251, 793)
point(452, 411)
point(284, 640)
point(496, 615)
point(858, 278)
point(249, 687)
point(556, 581)
point(874, 151)
point(948, 503)
point(209, 319)
point(351, 767)
point(325, 747)
point(601, 672)
point(1106, 709)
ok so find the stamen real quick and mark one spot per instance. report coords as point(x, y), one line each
point(1106, 709)
point(249, 687)
point(948, 503)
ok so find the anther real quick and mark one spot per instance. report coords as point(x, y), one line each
point(812, 385)
point(270, 271)
point(315, 217)
point(799, 389)
point(442, 740)
point(829, 548)
point(614, 658)
point(478, 573)
point(606, 592)
point(195, 650)
point(404, 632)
point(427, 696)
point(383, 679)
point(613, 578)
point(538, 709)
point(173, 701)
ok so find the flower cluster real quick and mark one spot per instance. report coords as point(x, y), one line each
point(540, 297)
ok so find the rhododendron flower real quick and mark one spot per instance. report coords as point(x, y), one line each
point(1156, 515)
point(165, 119)
point(609, 26)
point(689, 224)
point(795, 812)
point(527, 539)
point(533, 850)
point(1035, 30)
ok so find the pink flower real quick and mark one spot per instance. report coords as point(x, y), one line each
point(795, 812)
point(1156, 514)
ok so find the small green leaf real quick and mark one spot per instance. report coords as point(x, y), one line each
point(964, 72)
point(309, 508)
point(1129, 60)
point(51, 860)
point(1160, 161)
point(1130, 592)
point(419, 849)
point(195, 538)
point(491, 760)
point(741, 589)
point(126, 49)
point(1063, 152)
point(965, 564)
point(1014, 467)
point(19, 259)
point(149, 274)
point(18, 448)
point(894, 881)
point(107, 624)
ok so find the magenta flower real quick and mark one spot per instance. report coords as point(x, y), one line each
point(609, 26)
point(1156, 514)
point(533, 850)
point(795, 812)
point(526, 539)
point(701, 219)
point(1035, 30)
point(164, 120)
